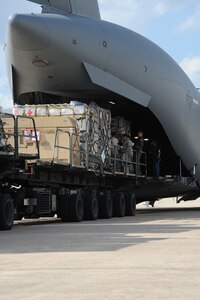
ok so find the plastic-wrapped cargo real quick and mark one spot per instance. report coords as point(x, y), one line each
point(120, 126)
point(30, 110)
point(82, 115)
point(95, 127)
point(18, 110)
point(67, 110)
point(100, 130)
point(93, 124)
point(42, 111)
point(54, 110)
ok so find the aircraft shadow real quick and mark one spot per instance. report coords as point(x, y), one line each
point(100, 235)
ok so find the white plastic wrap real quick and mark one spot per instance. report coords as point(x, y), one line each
point(120, 126)
point(30, 110)
point(54, 110)
point(100, 132)
point(42, 111)
point(81, 113)
point(67, 111)
point(18, 110)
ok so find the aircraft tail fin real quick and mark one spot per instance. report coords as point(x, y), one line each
point(88, 8)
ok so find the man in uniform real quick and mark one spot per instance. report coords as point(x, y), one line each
point(127, 151)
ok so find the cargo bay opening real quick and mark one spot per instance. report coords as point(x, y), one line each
point(43, 174)
point(140, 118)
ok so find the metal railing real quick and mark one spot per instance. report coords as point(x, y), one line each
point(99, 163)
point(6, 145)
point(18, 135)
point(68, 150)
point(12, 134)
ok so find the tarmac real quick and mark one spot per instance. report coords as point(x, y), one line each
point(154, 255)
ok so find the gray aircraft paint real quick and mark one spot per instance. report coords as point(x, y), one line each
point(75, 7)
point(84, 56)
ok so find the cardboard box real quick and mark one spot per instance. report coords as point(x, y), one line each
point(54, 133)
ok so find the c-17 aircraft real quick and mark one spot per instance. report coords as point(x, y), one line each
point(68, 52)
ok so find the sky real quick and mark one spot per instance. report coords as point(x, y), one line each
point(174, 25)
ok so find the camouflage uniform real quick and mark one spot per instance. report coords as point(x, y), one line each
point(127, 150)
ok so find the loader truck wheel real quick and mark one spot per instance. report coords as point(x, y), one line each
point(105, 205)
point(6, 212)
point(91, 205)
point(63, 208)
point(130, 205)
point(76, 207)
point(119, 204)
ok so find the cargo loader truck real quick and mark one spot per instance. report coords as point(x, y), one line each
point(52, 165)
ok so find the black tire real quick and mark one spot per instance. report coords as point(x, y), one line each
point(91, 205)
point(18, 218)
point(63, 208)
point(105, 205)
point(119, 205)
point(130, 205)
point(19, 204)
point(6, 212)
point(76, 207)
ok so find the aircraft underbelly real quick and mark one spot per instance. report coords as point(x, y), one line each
point(164, 188)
